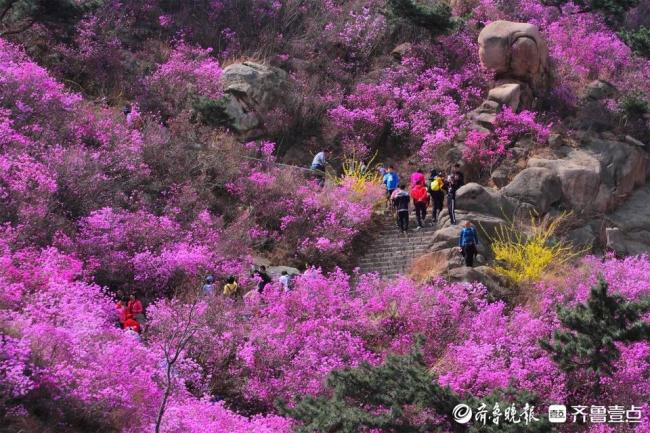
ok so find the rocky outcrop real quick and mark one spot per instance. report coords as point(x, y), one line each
point(400, 51)
point(599, 176)
point(515, 52)
point(251, 91)
point(518, 56)
point(537, 186)
point(600, 89)
point(629, 231)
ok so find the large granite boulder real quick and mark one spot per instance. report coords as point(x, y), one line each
point(538, 186)
point(478, 199)
point(599, 176)
point(515, 51)
point(251, 91)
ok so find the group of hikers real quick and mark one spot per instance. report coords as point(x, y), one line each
point(130, 312)
point(429, 191)
point(232, 289)
point(423, 192)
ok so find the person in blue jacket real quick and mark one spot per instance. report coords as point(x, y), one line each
point(391, 181)
point(468, 242)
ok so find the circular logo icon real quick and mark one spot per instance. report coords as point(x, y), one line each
point(462, 413)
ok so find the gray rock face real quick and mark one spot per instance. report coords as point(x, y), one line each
point(538, 186)
point(583, 237)
point(506, 94)
point(477, 199)
point(631, 231)
point(599, 89)
point(251, 91)
point(599, 176)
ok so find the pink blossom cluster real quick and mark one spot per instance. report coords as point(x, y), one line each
point(422, 104)
point(290, 210)
point(489, 148)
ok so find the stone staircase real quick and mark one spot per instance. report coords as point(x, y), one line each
point(390, 253)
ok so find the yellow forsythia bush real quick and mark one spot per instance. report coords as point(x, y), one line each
point(525, 257)
point(358, 175)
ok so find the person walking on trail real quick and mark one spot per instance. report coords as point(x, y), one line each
point(231, 286)
point(436, 190)
point(454, 181)
point(391, 181)
point(401, 201)
point(420, 198)
point(416, 177)
point(264, 278)
point(318, 167)
point(208, 288)
point(285, 281)
point(468, 242)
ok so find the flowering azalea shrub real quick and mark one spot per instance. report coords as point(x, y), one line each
point(490, 148)
point(413, 101)
point(289, 212)
point(152, 254)
point(284, 344)
point(94, 200)
point(189, 72)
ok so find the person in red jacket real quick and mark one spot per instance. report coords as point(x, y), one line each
point(123, 312)
point(135, 308)
point(420, 198)
point(132, 324)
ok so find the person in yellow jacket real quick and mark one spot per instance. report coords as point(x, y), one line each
point(231, 286)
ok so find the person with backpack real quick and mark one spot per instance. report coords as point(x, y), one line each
point(264, 278)
point(231, 287)
point(401, 200)
point(436, 190)
point(420, 198)
point(391, 181)
point(416, 177)
point(468, 242)
point(454, 181)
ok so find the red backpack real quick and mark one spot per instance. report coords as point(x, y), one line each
point(419, 194)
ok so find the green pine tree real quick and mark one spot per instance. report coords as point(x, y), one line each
point(435, 18)
point(402, 396)
point(19, 15)
point(592, 329)
point(638, 40)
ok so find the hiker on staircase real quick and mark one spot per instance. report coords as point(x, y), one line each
point(401, 199)
point(420, 198)
point(416, 177)
point(391, 181)
point(454, 181)
point(468, 242)
point(436, 191)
